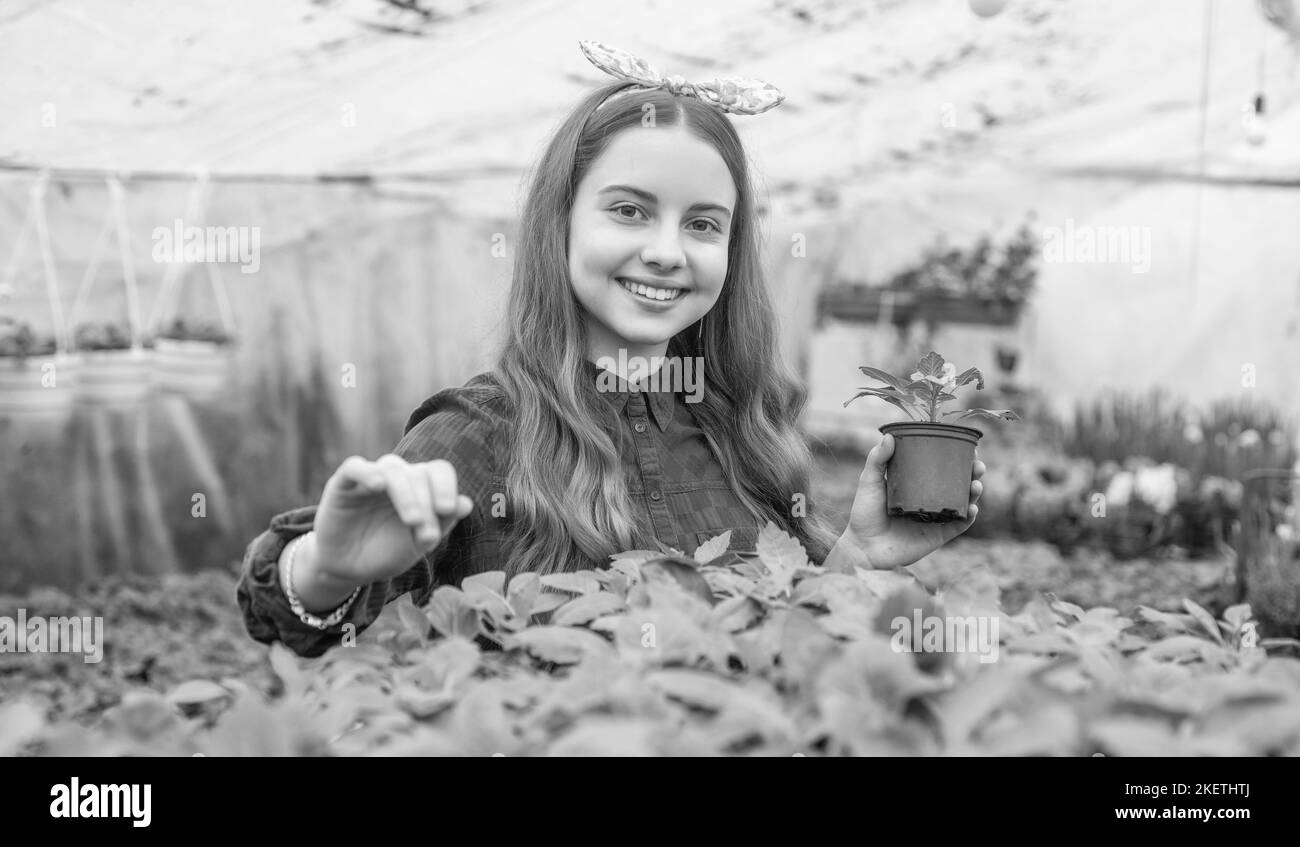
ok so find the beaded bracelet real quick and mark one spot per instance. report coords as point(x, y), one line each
point(295, 602)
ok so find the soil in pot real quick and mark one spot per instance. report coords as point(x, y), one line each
point(928, 478)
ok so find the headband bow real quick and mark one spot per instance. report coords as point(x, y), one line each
point(734, 95)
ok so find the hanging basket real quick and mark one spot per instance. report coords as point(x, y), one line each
point(866, 304)
point(37, 374)
point(938, 308)
point(193, 358)
point(198, 369)
point(119, 378)
point(37, 386)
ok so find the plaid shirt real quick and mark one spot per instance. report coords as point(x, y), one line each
point(675, 482)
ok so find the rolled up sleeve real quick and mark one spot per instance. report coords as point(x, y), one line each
point(451, 426)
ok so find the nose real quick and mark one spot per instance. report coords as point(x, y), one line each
point(664, 249)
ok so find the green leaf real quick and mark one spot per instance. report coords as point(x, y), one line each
point(286, 667)
point(563, 645)
point(20, 723)
point(196, 691)
point(962, 710)
point(588, 607)
point(886, 393)
point(894, 401)
point(414, 621)
point(450, 660)
point(637, 555)
point(451, 613)
point(888, 379)
point(492, 582)
point(1000, 414)
point(1068, 608)
point(577, 583)
point(973, 592)
point(695, 688)
point(713, 548)
point(971, 374)
point(549, 601)
point(781, 554)
point(931, 365)
point(1237, 615)
point(1204, 618)
point(682, 572)
point(607, 736)
point(523, 593)
point(1169, 622)
point(883, 583)
point(805, 646)
point(737, 613)
point(1182, 648)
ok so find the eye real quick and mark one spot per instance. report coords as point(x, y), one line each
point(710, 224)
point(617, 210)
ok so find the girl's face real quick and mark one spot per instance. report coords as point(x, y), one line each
point(648, 239)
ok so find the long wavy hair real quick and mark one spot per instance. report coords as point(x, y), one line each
point(565, 486)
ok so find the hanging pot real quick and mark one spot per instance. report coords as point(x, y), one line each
point(939, 308)
point(929, 476)
point(37, 386)
point(860, 303)
point(198, 369)
point(115, 377)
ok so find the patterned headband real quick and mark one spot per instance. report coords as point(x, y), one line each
point(733, 95)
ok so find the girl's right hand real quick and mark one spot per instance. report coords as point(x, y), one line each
point(377, 519)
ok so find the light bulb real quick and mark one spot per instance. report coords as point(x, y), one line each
point(1252, 119)
point(987, 8)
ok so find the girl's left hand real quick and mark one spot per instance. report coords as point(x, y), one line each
point(891, 542)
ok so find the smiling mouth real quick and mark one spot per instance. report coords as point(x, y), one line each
point(655, 295)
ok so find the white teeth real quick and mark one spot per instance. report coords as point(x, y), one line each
point(650, 293)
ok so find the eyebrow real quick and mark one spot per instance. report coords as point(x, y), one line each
point(650, 198)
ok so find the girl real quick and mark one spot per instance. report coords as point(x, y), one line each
point(639, 243)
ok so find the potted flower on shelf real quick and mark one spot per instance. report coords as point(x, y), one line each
point(862, 303)
point(32, 372)
point(929, 476)
point(986, 284)
point(113, 371)
point(193, 358)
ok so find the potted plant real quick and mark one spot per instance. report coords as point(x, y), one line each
point(983, 285)
point(193, 358)
point(1007, 358)
point(857, 302)
point(929, 476)
point(113, 370)
point(32, 372)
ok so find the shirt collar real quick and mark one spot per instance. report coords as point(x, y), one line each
point(662, 403)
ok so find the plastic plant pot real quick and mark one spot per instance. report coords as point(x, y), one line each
point(25, 390)
point(198, 369)
point(115, 378)
point(929, 476)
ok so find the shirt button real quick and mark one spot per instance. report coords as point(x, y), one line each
point(655, 495)
point(640, 427)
